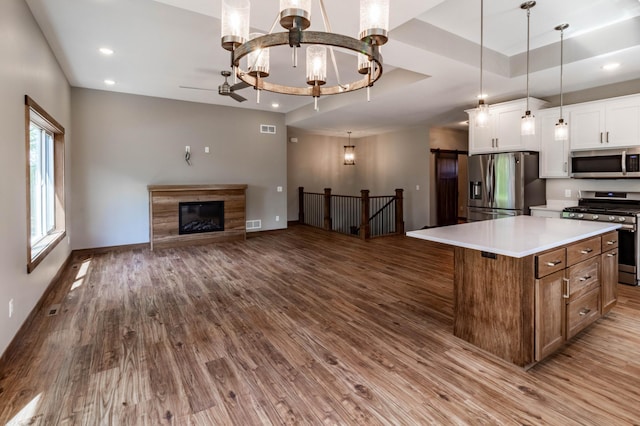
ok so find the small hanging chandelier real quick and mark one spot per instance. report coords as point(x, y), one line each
point(349, 153)
point(482, 110)
point(528, 123)
point(562, 129)
point(295, 17)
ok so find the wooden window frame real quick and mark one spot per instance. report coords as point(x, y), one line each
point(35, 113)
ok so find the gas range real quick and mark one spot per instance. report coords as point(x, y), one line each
point(607, 206)
point(627, 217)
point(618, 207)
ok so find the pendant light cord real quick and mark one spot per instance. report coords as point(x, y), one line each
point(481, 44)
point(528, 35)
point(561, 70)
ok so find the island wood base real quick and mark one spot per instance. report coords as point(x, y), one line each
point(524, 309)
point(164, 219)
point(494, 304)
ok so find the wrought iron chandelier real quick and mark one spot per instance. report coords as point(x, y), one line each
point(295, 17)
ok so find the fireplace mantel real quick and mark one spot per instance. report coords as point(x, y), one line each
point(164, 201)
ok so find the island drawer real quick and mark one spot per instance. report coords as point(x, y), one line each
point(583, 277)
point(609, 241)
point(550, 262)
point(582, 312)
point(583, 250)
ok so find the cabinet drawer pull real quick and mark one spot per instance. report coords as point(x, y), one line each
point(566, 283)
point(600, 137)
point(584, 311)
point(586, 251)
point(611, 242)
point(611, 254)
point(554, 263)
point(607, 137)
point(586, 277)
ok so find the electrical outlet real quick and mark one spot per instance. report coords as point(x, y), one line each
point(187, 148)
point(417, 187)
point(277, 218)
point(567, 193)
point(279, 189)
point(206, 149)
point(10, 308)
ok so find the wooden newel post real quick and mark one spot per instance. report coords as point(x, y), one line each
point(327, 209)
point(399, 212)
point(365, 229)
point(301, 204)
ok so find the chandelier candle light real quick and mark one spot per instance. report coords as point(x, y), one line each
point(349, 153)
point(528, 124)
point(295, 17)
point(482, 111)
point(562, 129)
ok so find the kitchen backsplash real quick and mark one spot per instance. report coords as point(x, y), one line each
point(558, 189)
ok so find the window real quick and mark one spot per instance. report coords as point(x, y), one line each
point(45, 183)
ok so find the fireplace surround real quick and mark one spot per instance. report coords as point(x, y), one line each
point(186, 214)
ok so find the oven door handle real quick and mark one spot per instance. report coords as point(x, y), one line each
point(624, 162)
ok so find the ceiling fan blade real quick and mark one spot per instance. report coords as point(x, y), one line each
point(237, 97)
point(240, 85)
point(197, 88)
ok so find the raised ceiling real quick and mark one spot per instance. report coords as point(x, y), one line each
point(431, 60)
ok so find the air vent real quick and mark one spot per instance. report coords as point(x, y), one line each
point(254, 224)
point(268, 128)
point(53, 310)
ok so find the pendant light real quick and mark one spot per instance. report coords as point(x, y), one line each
point(482, 110)
point(562, 130)
point(349, 153)
point(528, 123)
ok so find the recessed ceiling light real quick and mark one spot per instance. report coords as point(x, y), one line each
point(106, 51)
point(109, 82)
point(275, 105)
point(610, 67)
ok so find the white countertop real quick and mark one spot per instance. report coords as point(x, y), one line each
point(517, 236)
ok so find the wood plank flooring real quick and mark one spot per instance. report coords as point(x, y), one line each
point(296, 327)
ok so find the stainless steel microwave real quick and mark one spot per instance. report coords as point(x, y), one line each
point(608, 163)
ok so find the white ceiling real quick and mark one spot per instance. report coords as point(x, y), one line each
point(431, 61)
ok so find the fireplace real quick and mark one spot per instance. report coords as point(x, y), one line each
point(201, 216)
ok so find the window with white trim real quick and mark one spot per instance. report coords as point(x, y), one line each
point(45, 183)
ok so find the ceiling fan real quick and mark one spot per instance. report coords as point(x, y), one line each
point(225, 89)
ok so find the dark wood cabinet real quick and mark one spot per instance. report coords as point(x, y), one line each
point(609, 275)
point(550, 317)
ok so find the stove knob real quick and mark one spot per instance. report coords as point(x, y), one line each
point(595, 217)
point(572, 215)
point(580, 216)
point(621, 219)
point(612, 218)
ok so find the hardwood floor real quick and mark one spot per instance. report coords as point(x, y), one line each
point(296, 327)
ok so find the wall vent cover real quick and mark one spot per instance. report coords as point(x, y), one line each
point(254, 224)
point(268, 128)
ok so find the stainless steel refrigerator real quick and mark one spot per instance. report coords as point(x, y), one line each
point(504, 184)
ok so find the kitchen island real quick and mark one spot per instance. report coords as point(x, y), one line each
point(525, 285)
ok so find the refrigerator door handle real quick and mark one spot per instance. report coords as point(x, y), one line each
point(488, 182)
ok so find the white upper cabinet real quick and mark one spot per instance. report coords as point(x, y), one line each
point(503, 132)
point(613, 123)
point(554, 155)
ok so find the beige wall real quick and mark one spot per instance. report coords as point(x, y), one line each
point(27, 68)
point(383, 163)
point(126, 142)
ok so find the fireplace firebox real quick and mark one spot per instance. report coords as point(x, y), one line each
point(201, 216)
